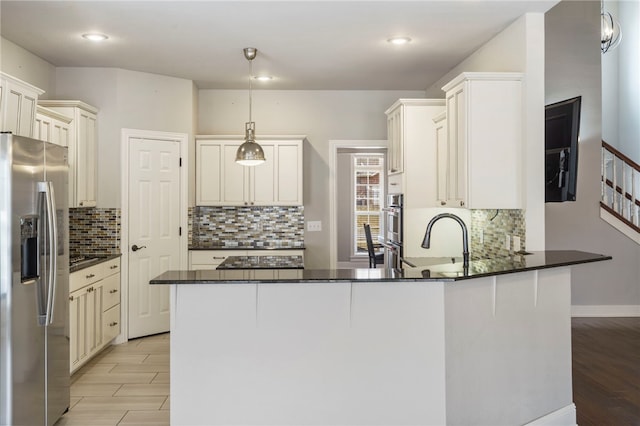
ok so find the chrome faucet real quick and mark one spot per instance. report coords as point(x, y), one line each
point(465, 234)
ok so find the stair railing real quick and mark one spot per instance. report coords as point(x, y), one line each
point(620, 192)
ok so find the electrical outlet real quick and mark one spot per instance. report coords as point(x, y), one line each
point(314, 226)
point(507, 242)
point(516, 243)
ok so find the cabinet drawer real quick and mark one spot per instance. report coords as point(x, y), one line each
point(111, 323)
point(111, 267)
point(209, 259)
point(110, 291)
point(84, 277)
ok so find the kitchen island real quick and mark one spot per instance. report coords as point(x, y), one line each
point(444, 343)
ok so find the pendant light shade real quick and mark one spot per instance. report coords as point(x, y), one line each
point(250, 153)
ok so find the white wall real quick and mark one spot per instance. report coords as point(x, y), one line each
point(519, 48)
point(22, 64)
point(629, 79)
point(127, 99)
point(319, 114)
point(573, 67)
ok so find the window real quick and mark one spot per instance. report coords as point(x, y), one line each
point(368, 189)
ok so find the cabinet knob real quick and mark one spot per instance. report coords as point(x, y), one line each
point(81, 203)
point(443, 203)
point(252, 203)
point(71, 298)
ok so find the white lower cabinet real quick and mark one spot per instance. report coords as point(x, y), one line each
point(211, 259)
point(94, 310)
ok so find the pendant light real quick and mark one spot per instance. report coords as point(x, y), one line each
point(250, 153)
point(610, 31)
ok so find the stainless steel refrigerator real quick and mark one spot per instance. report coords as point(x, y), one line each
point(34, 282)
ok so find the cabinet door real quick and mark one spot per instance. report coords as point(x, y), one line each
point(59, 133)
point(457, 156)
point(93, 330)
point(394, 133)
point(111, 323)
point(289, 174)
point(442, 156)
point(86, 159)
point(235, 178)
point(208, 173)
point(42, 130)
point(263, 178)
point(77, 322)
point(27, 116)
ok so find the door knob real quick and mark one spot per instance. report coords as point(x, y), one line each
point(136, 248)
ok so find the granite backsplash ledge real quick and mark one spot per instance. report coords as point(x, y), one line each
point(94, 231)
point(268, 226)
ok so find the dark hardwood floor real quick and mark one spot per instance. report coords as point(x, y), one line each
point(606, 370)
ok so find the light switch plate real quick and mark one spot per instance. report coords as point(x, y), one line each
point(314, 226)
point(516, 243)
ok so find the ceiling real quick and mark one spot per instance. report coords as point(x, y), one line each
point(327, 45)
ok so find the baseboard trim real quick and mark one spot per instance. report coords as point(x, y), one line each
point(605, 310)
point(565, 416)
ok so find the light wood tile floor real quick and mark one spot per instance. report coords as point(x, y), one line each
point(124, 385)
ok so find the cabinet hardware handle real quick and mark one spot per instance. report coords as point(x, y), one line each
point(90, 276)
point(113, 267)
point(443, 203)
point(252, 203)
point(394, 170)
point(461, 203)
point(81, 203)
point(393, 184)
point(245, 203)
point(90, 289)
point(113, 324)
point(219, 257)
point(71, 298)
point(113, 291)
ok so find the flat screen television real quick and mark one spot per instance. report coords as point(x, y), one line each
point(562, 129)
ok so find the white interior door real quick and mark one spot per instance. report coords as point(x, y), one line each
point(154, 230)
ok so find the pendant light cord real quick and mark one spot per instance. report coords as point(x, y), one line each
point(250, 74)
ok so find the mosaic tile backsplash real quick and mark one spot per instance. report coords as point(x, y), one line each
point(94, 231)
point(495, 224)
point(271, 226)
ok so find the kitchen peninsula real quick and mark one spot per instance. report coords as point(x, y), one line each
point(441, 343)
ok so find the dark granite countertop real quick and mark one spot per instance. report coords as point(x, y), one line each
point(90, 260)
point(246, 247)
point(451, 271)
point(262, 262)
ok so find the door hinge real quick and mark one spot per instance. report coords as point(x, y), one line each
point(180, 231)
point(180, 162)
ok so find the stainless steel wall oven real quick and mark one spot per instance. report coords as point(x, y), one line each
point(393, 231)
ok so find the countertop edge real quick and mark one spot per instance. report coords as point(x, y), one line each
point(95, 261)
point(362, 275)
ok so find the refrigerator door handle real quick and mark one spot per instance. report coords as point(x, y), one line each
point(52, 227)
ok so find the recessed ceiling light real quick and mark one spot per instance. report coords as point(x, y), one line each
point(399, 40)
point(263, 77)
point(95, 36)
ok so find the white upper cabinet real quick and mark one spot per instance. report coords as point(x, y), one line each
point(82, 150)
point(411, 121)
point(395, 135)
point(220, 181)
point(18, 101)
point(52, 126)
point(484, 142)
